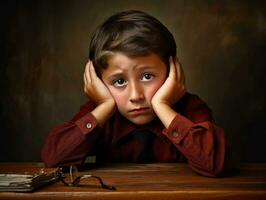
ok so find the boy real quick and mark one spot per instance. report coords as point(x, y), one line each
point(138, 110)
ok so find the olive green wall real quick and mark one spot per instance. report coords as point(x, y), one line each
point(44, 47)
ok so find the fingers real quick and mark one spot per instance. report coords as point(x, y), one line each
point(86, 77)
point(92, 71)
point(85, 83)
point(180, 72)
point(172, 71)
point(89, 76)
point(179, 76)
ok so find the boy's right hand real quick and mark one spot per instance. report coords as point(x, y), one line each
point(94, 86)
point(99, 93)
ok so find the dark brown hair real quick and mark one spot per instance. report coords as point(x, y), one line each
point(134, 33)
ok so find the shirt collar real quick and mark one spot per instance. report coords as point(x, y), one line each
point(123, 126)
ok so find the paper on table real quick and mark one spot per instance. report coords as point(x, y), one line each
point(27, 182)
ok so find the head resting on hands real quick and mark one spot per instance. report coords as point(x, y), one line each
point(133, 33)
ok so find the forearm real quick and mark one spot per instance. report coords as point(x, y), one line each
point(209, 157)
point(203, 144)
point(165, 113)
point(72, 141)
point(104, 111)
point(65, 144)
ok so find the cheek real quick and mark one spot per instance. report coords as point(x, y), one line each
point(156, 85)
point(119, 100)
point(153, 89)
point(118, 97)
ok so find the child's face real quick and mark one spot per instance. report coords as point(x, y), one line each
point(133, 82)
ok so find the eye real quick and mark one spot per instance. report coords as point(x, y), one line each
point(147, 77)
point(119, 82)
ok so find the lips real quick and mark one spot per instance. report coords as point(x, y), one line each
point(139, 110)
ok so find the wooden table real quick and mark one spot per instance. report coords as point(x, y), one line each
point(152, 181)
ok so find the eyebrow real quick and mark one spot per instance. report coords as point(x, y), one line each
point(115, 75)
point(120, 73)
point(145, 66)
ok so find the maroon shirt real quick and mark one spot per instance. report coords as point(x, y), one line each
point(191, 136)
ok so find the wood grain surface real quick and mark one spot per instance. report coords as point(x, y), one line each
point(150, 181)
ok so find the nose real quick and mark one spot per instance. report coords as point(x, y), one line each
point(136, 93)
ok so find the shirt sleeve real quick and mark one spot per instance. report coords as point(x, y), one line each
point(72, 141)
point(198, 138)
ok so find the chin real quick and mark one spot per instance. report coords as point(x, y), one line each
point(141, 120)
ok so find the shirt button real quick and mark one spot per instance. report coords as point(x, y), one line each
point(88, 125)
point(175, 134)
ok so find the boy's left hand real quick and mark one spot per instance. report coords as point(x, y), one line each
point(173, 88)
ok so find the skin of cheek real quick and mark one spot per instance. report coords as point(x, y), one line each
point(152, 90)
point(119, 99)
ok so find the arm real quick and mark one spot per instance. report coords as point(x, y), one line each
point(196, 136)
point(71, 142)
point(99, 93)
point(169, 93)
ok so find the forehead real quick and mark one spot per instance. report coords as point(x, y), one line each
point(120, 61)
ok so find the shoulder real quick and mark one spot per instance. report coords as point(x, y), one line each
point(194, 108)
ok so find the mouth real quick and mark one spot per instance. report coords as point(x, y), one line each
point(138, 111)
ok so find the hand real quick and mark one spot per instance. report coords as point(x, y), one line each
point(173, 88)
point(94, 87)
point(100, 94)
point(169, 93)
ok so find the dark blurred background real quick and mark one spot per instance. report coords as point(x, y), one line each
point(44, 47)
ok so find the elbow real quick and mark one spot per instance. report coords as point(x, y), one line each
point(49, 159)
point(212, 173)
point(215, 173)
point(209, 168)
point(221, 164)
point(215, 168)
point(50, 163)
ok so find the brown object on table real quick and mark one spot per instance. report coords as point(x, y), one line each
point(151, 181)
